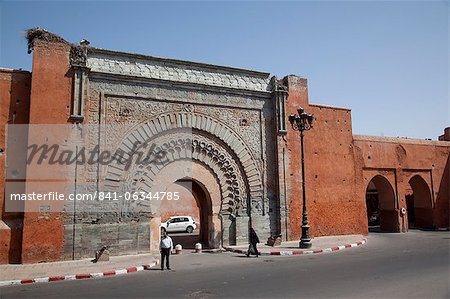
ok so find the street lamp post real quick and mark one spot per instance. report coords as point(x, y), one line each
point(303, 122)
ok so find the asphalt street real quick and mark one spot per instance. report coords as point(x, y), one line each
point(412, 265)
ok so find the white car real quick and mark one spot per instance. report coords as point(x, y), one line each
point(179, 224)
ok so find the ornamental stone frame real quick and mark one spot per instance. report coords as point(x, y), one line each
point(227, 143)
point(213, 118)
point(190, 137)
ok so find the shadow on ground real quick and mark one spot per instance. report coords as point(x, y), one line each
point(187, 241)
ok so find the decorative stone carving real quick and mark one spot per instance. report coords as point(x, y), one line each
point(179, 71)
point(238, 173)
point(141, 110)
point(78, 55)
point(202, 150)
point(197, 147)
point(280, 94)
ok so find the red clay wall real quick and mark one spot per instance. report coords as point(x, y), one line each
point(332, 206)
point(339, 167)
point(14, 109)
point(51, 94)
point(400, 160)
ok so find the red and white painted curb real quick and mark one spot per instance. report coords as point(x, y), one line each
point(299, 252)
point(80, 276)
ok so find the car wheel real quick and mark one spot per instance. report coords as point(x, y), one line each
point(189, 229)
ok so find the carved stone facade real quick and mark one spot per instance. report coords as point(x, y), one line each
point(210, 116)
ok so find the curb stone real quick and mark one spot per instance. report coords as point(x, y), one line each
point(300, 252)
point(80, 276)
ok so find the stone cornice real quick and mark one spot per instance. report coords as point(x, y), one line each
point(180, 85)
point(133, 65)
point(179, 62)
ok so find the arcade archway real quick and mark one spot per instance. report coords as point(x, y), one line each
point(380, 202)
point(419, 204)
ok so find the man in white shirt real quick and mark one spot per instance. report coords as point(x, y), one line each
point(165, 247)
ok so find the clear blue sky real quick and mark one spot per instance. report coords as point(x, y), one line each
point(387, 61)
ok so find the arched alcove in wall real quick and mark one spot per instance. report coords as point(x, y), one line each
point(203, 185)
point(380, 203)
point(419, 204)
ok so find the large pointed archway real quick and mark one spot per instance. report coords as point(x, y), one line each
point(419, 204)
point(205, 188)
point(204, 218)
point(381, 203)
point(190, 142)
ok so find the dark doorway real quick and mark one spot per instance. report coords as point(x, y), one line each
point(409, 197)
point(419, 204)
point(373, 213)
point(380, 202)
point(204, 227)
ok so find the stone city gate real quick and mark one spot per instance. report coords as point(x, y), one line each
point(224, 133)
point(214, 126)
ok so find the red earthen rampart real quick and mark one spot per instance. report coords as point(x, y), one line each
point(14, 109)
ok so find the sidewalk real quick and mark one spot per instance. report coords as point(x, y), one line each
point(83, 269)
point(319, 245)
point(69, 270)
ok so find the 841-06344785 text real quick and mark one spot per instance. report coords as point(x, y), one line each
point(102, 196)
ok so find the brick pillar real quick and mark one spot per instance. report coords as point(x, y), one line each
point(14, 110)
point(298, 96)
point(51, 93)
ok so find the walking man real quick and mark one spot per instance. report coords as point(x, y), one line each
point(165, 247)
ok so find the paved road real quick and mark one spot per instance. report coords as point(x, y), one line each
point(413, 265)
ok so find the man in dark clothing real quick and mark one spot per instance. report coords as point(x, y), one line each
point(254, 240)
point(165, 246)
